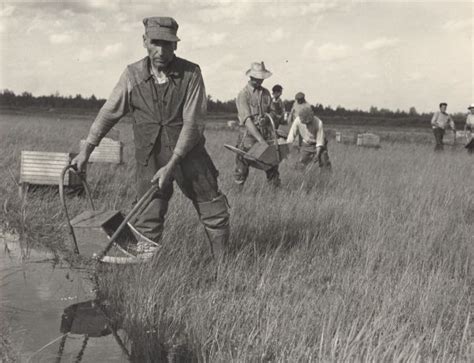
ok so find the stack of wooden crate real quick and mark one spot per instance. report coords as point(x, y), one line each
point(346, 137)
point(44, 168)
point(368, 140)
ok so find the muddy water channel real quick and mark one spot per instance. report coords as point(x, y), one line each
point(52, 311)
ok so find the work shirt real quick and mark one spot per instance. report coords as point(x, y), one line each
point(470, 122)
point(252, 101)
point(173, 108)
point(277, 110)
point(295, 110)
point(442, 120)
point(312, 133)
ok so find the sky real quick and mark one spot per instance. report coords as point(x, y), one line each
point(357, 54)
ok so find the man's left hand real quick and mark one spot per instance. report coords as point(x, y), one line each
point(164, 175)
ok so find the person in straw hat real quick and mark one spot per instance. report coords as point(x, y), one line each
point(165, 96)
point(253, 102)
point(469, 127)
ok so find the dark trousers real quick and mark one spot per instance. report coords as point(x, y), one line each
point(438, 134)
point(308, 155)
point(196, 176)
point(241, 172)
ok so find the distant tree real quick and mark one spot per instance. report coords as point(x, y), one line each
point(412, 111)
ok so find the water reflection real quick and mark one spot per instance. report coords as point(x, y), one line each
point(34, 295)
point(88, 319)
point(56, 316)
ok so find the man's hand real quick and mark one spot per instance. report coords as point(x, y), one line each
point(80, 161)
point(165, 174)
point(319, 150)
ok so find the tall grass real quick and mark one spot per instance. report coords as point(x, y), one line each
point(370, 262)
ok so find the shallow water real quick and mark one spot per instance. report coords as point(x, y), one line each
point(34, 294)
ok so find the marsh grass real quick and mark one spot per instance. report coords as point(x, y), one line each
point(372, 261)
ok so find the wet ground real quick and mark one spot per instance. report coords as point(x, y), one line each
point(51, 310)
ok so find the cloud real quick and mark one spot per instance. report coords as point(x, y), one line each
point(63, 38)
point(277, 35)
point(234, 12)
point(7, 11)
point(369, 76)
point(459, 24)
point(286, 8)
point(414, 77)
point(112, 50)
point(331, 52)
point(85, 55)
point(380, 43)
point(197, 37)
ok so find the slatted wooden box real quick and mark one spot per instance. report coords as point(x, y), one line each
point(462, 138)
point(346, 137)
point(108, 151)
point(44, 168)
point(368, 140)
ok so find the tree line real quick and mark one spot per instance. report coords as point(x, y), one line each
point(8, 99)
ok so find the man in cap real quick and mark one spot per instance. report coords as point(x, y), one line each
point(277, 108)
point(298, 105)
point(441, 121)
point(167, 100)
point(314, 144)
point(253, 101)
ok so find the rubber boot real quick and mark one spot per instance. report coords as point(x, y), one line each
point(214, 216)
point(219, 241)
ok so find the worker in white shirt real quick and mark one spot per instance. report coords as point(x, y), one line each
point(440, 122)
point(314, 144)
point(469, 127)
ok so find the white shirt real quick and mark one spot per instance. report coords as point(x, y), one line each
point(311, 133)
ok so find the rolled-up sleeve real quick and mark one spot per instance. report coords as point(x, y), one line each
point(194, 112)
point(434, 119)
point(320, 134)
point(451, 123)
point(243, 107)
point(293, 131)
point(116, 106)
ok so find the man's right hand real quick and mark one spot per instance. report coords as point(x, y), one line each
point(80, 161)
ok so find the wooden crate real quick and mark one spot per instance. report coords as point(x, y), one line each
point(44, 168)
point(346, 137)
point(368, 140)
point(108, 151)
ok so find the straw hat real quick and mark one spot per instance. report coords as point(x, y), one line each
point(258, 70)
point(471, 106)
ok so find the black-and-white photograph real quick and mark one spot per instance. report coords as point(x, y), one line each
point(236, 181)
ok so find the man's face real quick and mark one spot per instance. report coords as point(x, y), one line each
point(472, 110)
point(276, 94)
point(443, 108)
point(256, 82)
point(300, 100)
point(161, 52)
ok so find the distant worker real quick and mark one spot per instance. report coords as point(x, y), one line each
point(440, 122)
point(314, 144)
point(277, 108)
point(469, 129)
point(166, 98)
point(253, 101)
point(298, 105)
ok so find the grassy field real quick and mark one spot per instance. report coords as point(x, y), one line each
point(373, 261)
